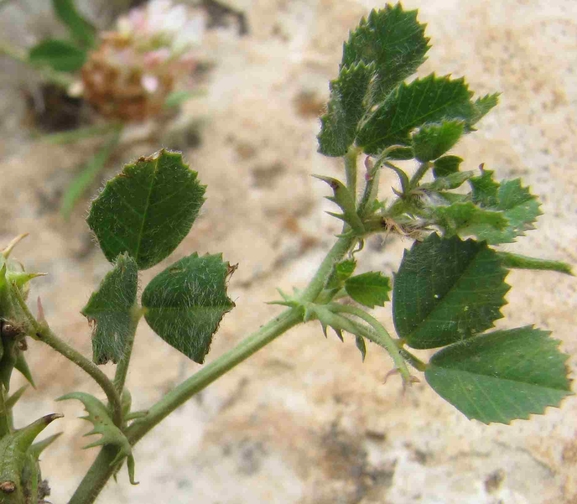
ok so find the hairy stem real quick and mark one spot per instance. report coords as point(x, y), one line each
point(122, 367)
point(102, 470)
point(5, 414)
point(419, 174)
point(383, 338)
point(43, 333)
point(351, 170)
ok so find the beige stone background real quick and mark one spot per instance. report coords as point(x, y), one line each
point(304, 421)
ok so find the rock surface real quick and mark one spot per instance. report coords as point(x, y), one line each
point(304, 421)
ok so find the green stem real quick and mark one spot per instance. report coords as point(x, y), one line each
point(419, 174)
point(79, 134)
point(381, 336)
point(351, 170)
point(43, 333)
point(102, 469)
point(5, 416)
point(339, 250)
point(122, 367)
point(413, 360)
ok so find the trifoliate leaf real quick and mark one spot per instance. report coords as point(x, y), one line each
point(431, 141)
point(148, 209)
point(501, 376)
point(446, 165)
point(518, 261)
point(370, 289)
point(60, 55)
point(186, 302)
point(465, 219)
point(447, 290)
point(110, 310)
point(518, 205)
point(99, 416)
point(393, 40)
point(345, 109)
point(429, 100)
point(80, 29)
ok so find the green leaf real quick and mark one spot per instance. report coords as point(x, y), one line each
point(110, 311)
point(433, 140)
point(369, 289)
point(518, 205)
point(429, 100)
point(102, 424)
point(447, 290)
point(186, 302)
point(485, 190)
point(483, 105)
point(148, 209)
point(446, 165)
point(450, 181)
point(518, 261)
point(62, 56)
point(394, 41)
point(81, 30)
point(345, 109)
point(501, 376)
point(465, 219)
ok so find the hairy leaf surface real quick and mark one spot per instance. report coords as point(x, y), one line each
point(433, 140)
point(345, 109)
point(394, 41)
point(109, 309)
point(446, 165)
point(370, 289)
point(429, 100)
point(186, 302)
point(447, 290)
point(501, 376)
point(148, 209)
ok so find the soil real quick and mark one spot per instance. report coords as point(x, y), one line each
point(305, 421)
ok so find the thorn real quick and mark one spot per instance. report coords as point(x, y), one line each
point(392, 372)
point(41, 318)
point(6, 252)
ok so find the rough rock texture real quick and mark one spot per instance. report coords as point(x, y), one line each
point(304, 421)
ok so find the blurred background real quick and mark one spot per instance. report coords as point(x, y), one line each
point(239, 90)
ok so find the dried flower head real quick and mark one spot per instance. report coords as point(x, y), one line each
point(134, 68)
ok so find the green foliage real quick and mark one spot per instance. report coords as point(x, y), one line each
point(60, 55)
point(395, 118)
point(82, 31)
point(501, 376)
point(433, 140)
point(110, 434)
point(185, 303)
point(370, 289)
point(111, 309)
point(447, 290)
point(148, 209)
point(446, 165)
point(393, 41)
point(345, 109)
point(346, 201)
